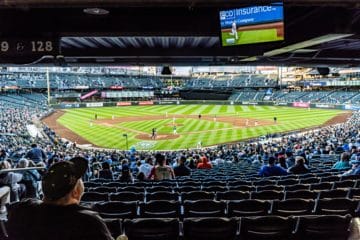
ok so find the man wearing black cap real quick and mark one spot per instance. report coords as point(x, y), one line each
point(59, 215)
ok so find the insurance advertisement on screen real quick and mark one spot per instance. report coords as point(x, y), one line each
point(255, 24)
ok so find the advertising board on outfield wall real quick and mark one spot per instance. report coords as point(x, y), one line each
point(146, 102)
point(95, 104)
point(69, 105)
point(123, 104)
point(301, 104)
point(324, 106)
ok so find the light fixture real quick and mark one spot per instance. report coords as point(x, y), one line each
point(96, 11)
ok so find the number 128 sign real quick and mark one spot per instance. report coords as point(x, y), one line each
point(28, 47)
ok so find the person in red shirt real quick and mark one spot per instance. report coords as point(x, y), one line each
point(204, 164)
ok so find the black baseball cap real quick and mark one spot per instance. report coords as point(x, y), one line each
point(61, 177)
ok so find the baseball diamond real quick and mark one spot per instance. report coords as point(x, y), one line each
point(219, 124)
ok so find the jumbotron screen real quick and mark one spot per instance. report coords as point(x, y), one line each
point(256, 24)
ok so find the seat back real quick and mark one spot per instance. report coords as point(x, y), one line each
point(152, 229)
point(329, 227)
point(204, 208)
point(293, 207)
point(160, 208)
point(248, 208)
point(210, 228)
point(266, 227)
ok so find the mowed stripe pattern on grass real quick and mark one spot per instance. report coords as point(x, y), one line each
point(191, 130)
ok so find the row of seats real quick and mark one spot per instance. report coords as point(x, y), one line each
point(206, 183)
point(331, 227)
point(241, 186)
point(352, 193)
point(233, 208)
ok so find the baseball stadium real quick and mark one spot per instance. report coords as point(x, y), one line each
point(180, 120)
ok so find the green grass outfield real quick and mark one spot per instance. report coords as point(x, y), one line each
point(252, 36)
point(192, 131)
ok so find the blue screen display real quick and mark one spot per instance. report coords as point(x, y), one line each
point(252, 15)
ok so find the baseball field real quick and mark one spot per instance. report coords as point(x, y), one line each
point(180, 126)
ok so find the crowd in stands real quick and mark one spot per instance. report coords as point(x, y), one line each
point(288, 155)
point(231, 81)
point(326, 97)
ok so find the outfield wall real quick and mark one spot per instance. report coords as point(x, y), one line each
point(177, 102)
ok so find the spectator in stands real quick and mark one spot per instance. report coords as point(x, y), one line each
point(146, 167)
point(181, 169)
point(191, 163)
point(106, 172)
point(12, 179)
point(126, 175)
point(355, 169)
point(36, 154)
point(59, 216)
point(344, 162)
point(271, 169)
point(161, 171)
point(299, 167)
point(204, 164)
point(290, 160)
point(30, 179)
point(282, 162)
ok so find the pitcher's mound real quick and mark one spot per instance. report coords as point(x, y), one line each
point(158, 137)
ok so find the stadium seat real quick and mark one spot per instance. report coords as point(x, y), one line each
point(214, 183)
point(304, 194)
point(264, 182)
point(248, 208)
point(354, 193)
point(337, 193)
point(266, 227)
point(293, 207)
point(310, 180)
point(94, 197)
point(287, 182)
point(187, 189)
point(267, 195)
point(329, 227)
point(126, 196)
point(242, 188)
point(103, 189)
point(321, 186)
point(158, 189)
point(240, 183)
point(160, 208)
point(297, 187)
point(131, 189)
point(337, 206)
point(204, 208)
point(329, 179)
point(269, 187)
point(214, 189)
point(116, 209)
point(190, 183)
point(197, 195)
point(210, 229)
point(232, 195)
point(152, 229)
point(163, 195)
point(344, 184)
